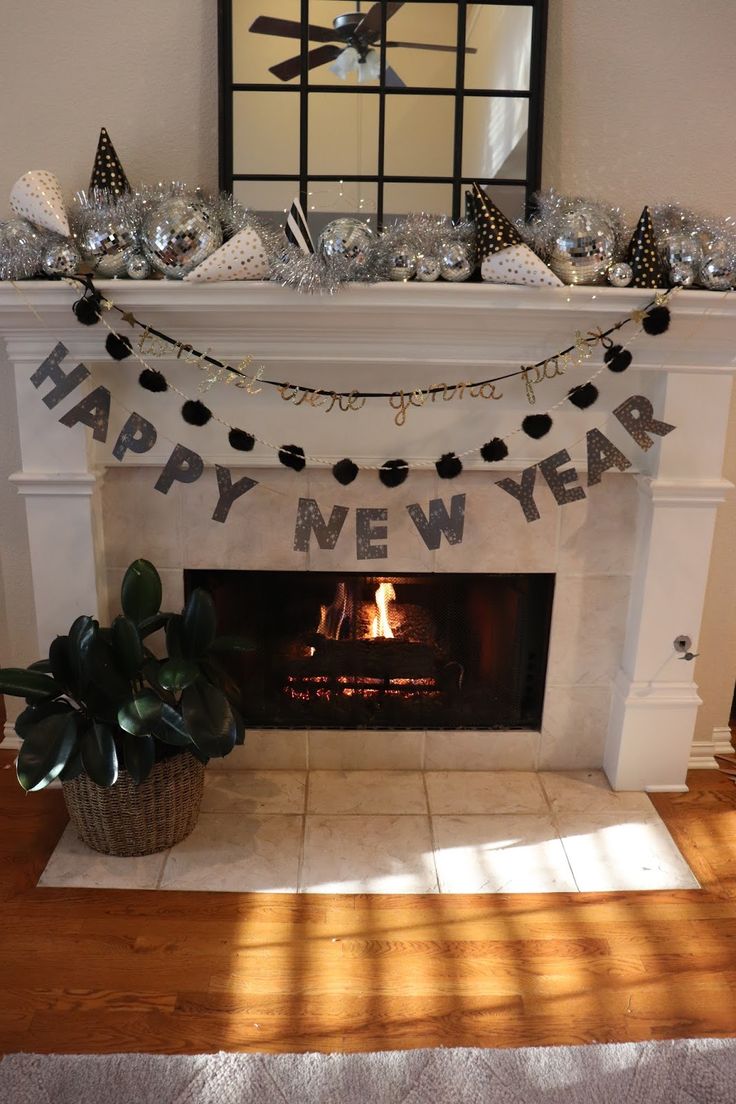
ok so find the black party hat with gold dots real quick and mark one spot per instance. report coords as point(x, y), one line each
point(644, 258)
point(107, 173)
point(504, 255)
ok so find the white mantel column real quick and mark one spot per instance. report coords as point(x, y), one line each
point(655, 695)
point(60, 491)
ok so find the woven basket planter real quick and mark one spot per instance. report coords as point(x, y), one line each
point(128, 819)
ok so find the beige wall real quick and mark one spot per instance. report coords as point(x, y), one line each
point(639, 108)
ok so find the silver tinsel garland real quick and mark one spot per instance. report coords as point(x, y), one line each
point(22, 249)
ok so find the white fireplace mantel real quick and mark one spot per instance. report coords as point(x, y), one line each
point(380, 338)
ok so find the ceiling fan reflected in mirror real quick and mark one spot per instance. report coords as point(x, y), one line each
point(352, 44)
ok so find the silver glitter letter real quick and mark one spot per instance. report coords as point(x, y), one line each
point(635, 415)
point(602, 455)
point(366, 533)
point(557, 480)
point(137, 435)
point(431, 529)
point(523, 492)
point(229, 491)
point(309, 520)
point(93, 410)
point(51, 370)
point(183, 466)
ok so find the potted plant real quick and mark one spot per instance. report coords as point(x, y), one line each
point(126, 732)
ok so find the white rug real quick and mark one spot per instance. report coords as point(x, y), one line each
point(689, 1071)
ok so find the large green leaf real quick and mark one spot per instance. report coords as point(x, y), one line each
point(140, 593)
point(239, 726)
point(32, 714)
point(140, 713)
point(81, 634)
point(46, 750)
point(127, 646)
point(151, 625)
point(103, 675)
point(42, 665)
point(209, 719)
point(232, 644)
point(99, 757)
point(21, 683)
point(61, 663)
point(199, 624)
point(171, 728)
point(176, 674)
point(74, 765)
point(174, 633)
point(139, 753)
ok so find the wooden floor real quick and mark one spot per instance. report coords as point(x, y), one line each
point(89, 971)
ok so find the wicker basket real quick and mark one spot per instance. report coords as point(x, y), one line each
point(128, 819)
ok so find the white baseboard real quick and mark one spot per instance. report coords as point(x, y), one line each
point(702, 755)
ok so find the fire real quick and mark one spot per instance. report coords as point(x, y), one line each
point(380, 625)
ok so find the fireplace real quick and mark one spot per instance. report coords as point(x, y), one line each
point(412, 651)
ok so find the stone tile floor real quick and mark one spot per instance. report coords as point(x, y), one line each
point(369, 831)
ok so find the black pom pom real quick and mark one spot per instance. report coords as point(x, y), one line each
point(345, 471)
point(494, 450)
point(118, 346)
point(656, 321)
point(449, 466)
point(617, 358)
point(393, 473)
point(241, 440)
point(153, 380)
point(195, 412)
point(536, 425)
point(583, 396)
point(87, 310)
point(291, 456)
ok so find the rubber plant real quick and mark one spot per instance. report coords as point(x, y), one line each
point(103, 700)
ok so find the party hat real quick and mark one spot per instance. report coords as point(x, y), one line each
point(37, 197)
point(505, 257)
point(644, 258)
point(107, 173)
point(297, 228)
point(242, 257)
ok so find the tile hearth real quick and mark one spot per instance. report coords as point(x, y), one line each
point(401, 831)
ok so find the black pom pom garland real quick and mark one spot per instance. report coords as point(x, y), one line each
point(87, 309)
point(393, 473)
point(240, 440)
point(153, 380)
point(537, 425)
point(118, 346)
point(583, 396)
point(449, 466)
point(195, 412)
point(494, 450)
point(345, 471)
point(617, 358)
point(291, 456)
point(656, 321)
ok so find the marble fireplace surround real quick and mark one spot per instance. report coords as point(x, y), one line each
point(631, 560)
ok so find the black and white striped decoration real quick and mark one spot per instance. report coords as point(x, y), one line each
point(297, 230)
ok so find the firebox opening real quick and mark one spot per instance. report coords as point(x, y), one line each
point(342, 650)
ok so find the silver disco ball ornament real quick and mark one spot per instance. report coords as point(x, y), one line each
point(62, 259)
point(105, 237)
point(682, 274)
point(346, 237)
point(620, 274)
point(455, 263)
point(402, 262)
point(428, 269)
point(179, 233)
point(583, 247)
point(21, 249)
point(137, 267)
point(717, 271)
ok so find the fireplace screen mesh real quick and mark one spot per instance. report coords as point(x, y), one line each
point(438, 651)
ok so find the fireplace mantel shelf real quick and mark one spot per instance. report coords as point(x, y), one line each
point(387, 324)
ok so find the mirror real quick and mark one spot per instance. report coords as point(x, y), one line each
point(376, 109)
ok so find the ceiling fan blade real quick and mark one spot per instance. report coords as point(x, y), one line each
point(292, 67)
point(291, 28)
point(432, 46)
point(393, 80)
point(372, 23)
